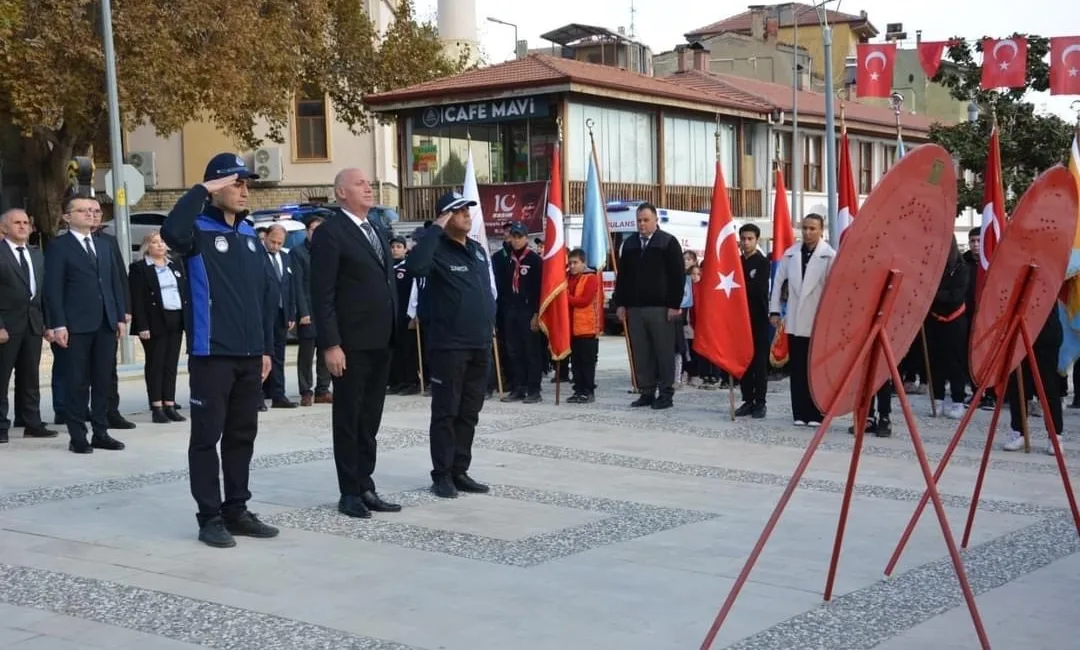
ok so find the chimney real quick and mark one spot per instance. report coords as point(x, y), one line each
point(684, 54)
point(772, 29)
point(701, 60)
point(757, 23)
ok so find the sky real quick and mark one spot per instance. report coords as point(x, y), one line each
point(656, 24)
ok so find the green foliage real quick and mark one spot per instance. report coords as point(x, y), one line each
point(1031, 142)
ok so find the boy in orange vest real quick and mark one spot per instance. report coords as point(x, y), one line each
point(584, 289)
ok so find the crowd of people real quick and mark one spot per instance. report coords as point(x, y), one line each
point(378, 314)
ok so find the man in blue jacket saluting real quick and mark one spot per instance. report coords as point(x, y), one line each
point(229, 352)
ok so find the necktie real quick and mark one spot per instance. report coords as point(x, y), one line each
point(277, 265)
point(25, 266)
point(645, 243)
point(90, 250)
point(372, 239)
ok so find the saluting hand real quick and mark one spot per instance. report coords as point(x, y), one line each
point(216, 185)
point(335, 361)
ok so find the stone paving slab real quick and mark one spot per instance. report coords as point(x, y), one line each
point(606, 528)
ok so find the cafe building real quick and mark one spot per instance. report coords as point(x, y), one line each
point(655, 140)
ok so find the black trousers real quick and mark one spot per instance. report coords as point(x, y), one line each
point(947, 344)
point(89, 367)
point(583, 354)
point(803, 407)
point(21, 355)
point(458, 386)
point(359, 395)
point(226, 393)
point(755, 382)
point(404, 368)
point(274, 386)
point(306, 357)
point(1046, 360)
point(523, 347)
point(913, 365)
point(162, 359)
point(882, 401)
point(59, 382)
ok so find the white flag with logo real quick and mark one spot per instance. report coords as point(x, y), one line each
point(478, 232)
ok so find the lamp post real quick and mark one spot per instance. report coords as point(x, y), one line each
point(973, 112)
point(830, 121)
point(503, 22)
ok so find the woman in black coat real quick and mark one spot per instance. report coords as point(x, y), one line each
point(946, 335)
point(157, 317)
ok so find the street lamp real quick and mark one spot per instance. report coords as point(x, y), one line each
point(503, 22)
point(973, 112)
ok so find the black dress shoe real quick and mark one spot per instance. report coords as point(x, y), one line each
point(39, 432)
point(352, 506)
point(117, 421)
point(213, 533)
point(662, 403)
point(465, 483)
point(644, 400)
point(105, 441)
point(248, 525)
point(759, 412)
point(283, 403)
point(513, 396)
point(262, 407)
point(157, 415)
point(444, 488)
point(533, 398)
point(746, 409)
point(81, 447)
point(170, 412)
point(375, 503)
point(3, 437)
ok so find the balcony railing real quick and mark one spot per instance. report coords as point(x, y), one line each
point(418, 203)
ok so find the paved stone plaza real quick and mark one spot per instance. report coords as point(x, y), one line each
point(606, 529)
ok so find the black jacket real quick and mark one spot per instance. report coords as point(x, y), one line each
point(285, 287)
point(654, 277)
point(77, 292)
point(953, 290)
point(459, 311)
point(18, 311)
point(232, 305)
point(403, 280)
point(971, 261)
point(527, 298)
point(756, 275)
point(353, 296)
point(147, 311)
point(300, 263)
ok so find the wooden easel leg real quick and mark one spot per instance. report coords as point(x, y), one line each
point(935, 497)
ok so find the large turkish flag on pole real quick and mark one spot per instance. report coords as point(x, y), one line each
point(554, 303)
point(722, 334)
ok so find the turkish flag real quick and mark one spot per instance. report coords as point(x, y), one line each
point(723, 334)
point(930, 53)
point(847, 201)
point(554, 302)
point(1065, 65)
point(1004, 63)
point(874, 75)
point(993, 212)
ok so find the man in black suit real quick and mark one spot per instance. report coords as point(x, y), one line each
point(317, 391)
point(281, 277)
point(116, 420)
point(754, 382)
point(84, 306)
point(354, 301)
point(22, 323)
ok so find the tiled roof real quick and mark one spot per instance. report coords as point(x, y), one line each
point(805, 14)
point(810, 103)
point(541, 70)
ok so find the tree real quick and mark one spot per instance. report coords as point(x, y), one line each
point(1031, 142)
point(236, 64)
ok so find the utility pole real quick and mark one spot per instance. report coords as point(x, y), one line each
point(116, 153)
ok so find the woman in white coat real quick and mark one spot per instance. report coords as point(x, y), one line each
point(804, 267)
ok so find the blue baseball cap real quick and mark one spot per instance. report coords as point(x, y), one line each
point(227, 164)
point(452, 201)
point(519, 229)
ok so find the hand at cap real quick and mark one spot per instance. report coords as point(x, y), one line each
point(216, 185)
point(442, 220)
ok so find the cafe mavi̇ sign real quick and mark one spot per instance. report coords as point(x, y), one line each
point(493, 110)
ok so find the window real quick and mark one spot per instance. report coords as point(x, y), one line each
point(866, 167)
point(890, 157)
point(782, 146)
point(311, 123)
point(690, 152)
point(812, 163)
point(625, 144)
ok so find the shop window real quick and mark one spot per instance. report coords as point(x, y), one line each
point(625, 144)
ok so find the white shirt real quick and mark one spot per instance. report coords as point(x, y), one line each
point(82, 240)
point(29, 262)
point(170, 289)
point(355, 219)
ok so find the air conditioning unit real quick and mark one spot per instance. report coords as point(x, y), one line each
point(268, 164)
point(146, 163)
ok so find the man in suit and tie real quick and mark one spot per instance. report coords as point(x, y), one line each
point(277, 262)
point(84, 306)
point(354, 300)
point(22, 324)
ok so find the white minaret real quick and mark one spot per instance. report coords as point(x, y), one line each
point(458, 28)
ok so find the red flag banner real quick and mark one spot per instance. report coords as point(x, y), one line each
point(930, 53)
point(993, 212)
point(723, 335)
point(1004, 63)
point(847, 197)
point(505, 203)
point(782, 239)
point(874, 75)
point(554, 302)
point(778, 351)
point(1065, 65)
